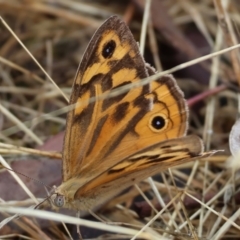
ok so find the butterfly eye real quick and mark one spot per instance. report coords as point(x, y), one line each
point(157, 123)
point(59, 201)
point(108, 49)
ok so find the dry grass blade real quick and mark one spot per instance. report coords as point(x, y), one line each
point(11, 149)
point(67, 219)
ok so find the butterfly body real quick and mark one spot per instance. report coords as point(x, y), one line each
point(116, 141)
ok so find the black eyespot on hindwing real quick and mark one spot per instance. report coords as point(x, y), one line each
point(109, 49)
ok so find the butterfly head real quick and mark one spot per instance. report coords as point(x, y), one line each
point(58, 200)
point(64, 196)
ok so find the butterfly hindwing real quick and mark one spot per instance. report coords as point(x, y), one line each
point(147, 162)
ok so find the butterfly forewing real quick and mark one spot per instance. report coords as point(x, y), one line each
point(105, 128)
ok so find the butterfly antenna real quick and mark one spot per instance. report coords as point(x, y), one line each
point(44, 200)
point(33, 179)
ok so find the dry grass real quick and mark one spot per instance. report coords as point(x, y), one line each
point(204, 204)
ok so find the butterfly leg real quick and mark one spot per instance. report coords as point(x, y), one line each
point(97, 217)
point(78, 226)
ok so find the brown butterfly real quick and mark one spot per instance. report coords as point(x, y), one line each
point(115, 142)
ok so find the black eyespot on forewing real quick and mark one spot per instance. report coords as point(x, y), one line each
point(108, 49)
point(158, 122)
